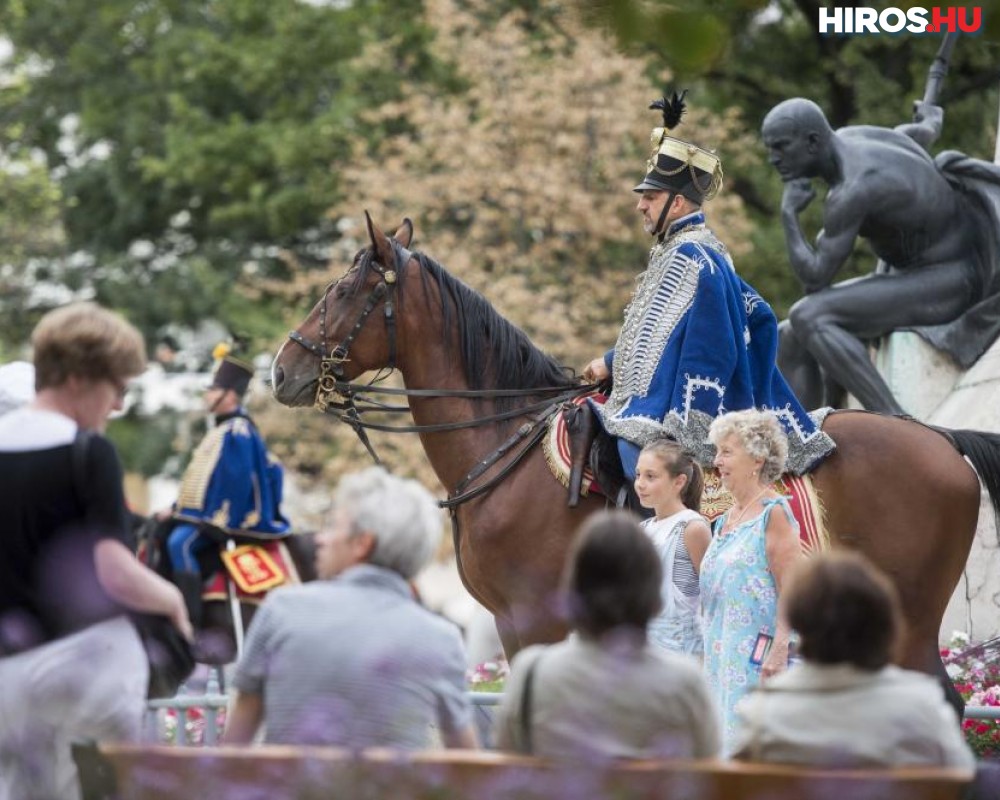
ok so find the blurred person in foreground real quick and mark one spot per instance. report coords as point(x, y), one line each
point(72, 665)
point(845, 705)
point(606, 692)
point(353, 659)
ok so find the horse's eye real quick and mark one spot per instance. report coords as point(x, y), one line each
point(340, 292)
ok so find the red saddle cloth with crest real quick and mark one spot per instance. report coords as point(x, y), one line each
point(254, 569)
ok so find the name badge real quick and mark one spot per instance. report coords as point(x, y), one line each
point(761, 648)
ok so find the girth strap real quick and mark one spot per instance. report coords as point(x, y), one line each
point(532, 431)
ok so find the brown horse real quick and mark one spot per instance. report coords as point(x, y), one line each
point(896, 490)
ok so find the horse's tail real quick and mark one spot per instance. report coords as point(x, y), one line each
point(983, 450)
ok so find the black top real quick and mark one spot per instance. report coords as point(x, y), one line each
point(48, 579)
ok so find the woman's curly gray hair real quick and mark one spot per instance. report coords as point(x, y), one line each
point(760, 434)
point(399, 512)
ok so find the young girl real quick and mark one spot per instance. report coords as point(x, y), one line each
point(670, 482)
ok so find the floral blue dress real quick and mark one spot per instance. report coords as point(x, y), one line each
point(739, 601)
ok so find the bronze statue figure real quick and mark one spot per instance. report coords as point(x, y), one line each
point(932, 222)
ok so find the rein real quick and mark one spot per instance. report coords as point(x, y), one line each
point(341, 398)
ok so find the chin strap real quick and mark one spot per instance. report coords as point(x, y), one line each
point(658, 231)
point(215, 405)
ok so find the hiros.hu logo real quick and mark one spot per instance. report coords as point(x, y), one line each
point(939, 19)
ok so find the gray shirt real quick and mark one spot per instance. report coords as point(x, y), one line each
point(354, 661)
point(593, 701)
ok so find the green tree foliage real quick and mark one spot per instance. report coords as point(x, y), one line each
point(210, 132)
point(230, 112)
point(31, 234)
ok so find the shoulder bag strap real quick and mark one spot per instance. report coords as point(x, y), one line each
point(81, 445)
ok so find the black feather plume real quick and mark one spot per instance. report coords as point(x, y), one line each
point(672, 107)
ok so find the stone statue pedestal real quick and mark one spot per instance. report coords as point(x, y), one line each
point(920, 376)
point(935, 390)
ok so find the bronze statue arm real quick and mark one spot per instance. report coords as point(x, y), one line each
point(925, 129)
point(816, 268)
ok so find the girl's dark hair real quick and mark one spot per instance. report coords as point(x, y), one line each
point(613, 575)
point(679, 461)
point(845, 611)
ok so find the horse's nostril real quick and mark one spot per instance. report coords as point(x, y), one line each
point(277, 377)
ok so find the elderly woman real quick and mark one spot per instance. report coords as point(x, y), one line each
point(353, 659)
point(743, 572)
point(72, 665)
point(845, 705)
point(607, 692)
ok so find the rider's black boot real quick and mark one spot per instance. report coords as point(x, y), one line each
point(581, 424)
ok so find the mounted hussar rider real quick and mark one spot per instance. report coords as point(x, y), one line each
point(697, 339)
point(232, 484)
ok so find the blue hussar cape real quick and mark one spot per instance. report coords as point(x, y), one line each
point(698, 341)
point(232, 482)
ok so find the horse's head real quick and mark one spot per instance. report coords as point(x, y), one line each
point(352, 329)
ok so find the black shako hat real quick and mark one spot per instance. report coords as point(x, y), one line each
point(231, 372)
point(676, 165)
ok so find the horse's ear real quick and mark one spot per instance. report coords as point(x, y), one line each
point(404, 233)
point(380, 243)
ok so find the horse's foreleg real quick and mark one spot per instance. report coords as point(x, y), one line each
point(508, 635)
point(924, 655)
point(955, 700)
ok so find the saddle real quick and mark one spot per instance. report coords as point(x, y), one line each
point(592, 449)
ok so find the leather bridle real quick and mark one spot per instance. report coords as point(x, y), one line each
point(331, 365)
point(341, 398)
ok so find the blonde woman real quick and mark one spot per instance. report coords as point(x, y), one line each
point(754, 545)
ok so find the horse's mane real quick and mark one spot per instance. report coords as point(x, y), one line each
point(495, 353)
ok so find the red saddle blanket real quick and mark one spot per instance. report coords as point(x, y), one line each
point(802, 499)
point(715, 501)
point(254, 569)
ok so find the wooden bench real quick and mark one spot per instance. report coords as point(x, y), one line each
point(320, 773)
